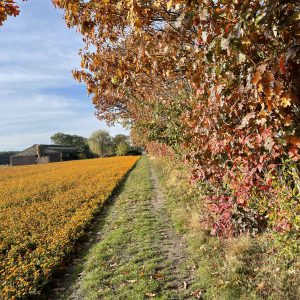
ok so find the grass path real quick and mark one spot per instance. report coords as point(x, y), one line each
point(137, 254)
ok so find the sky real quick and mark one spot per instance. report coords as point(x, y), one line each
point(38, 95)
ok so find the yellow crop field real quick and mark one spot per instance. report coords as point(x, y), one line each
point(44, 209)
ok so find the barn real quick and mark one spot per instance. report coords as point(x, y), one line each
point(43, 154)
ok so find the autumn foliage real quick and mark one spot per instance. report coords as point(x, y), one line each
point(43, 211)
point(8, 8)
point(217, 82)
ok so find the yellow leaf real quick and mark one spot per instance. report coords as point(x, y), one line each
point(115, 80)
point(170, 4)
point(260, 88)
point(119, 73)
point(286, 100)
point(263, 114)
point(151, 295)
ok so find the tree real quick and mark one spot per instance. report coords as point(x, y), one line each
point(122, 148)
point(119, 139)
point(233, 64)
point(79, 142)
point(100, 143)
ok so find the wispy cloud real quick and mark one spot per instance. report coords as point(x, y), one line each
point(38, 95)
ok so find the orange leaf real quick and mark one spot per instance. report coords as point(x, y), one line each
point(268, 78)
point(294, 140)
point(257, 78)
point(269, 103)
point(288, 121)
point(159, 276)
point(278, 87)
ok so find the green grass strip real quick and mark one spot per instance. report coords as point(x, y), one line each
point(129, 261)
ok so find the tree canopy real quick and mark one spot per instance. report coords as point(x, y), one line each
point(79, 142)
point(216, 82)
point(120, 139)
point(233, 64)
point(122, 148)
point(100, 143)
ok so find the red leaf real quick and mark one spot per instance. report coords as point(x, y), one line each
point(282, 65)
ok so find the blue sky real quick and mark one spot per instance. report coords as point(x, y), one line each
point(38, 95)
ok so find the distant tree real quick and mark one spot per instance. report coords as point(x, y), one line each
point(122, 148)
point(119, 139)
point(79, 142)
point(100, 143)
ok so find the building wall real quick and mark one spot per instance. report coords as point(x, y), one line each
point(43, 160)
point(33, 159)
point(55, 157)
point(23, 160)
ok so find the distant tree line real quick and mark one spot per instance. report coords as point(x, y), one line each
point(99, 144)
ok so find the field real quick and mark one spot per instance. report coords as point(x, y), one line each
point(44, 209)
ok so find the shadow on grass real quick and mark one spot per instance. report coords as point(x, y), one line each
point(63, 281)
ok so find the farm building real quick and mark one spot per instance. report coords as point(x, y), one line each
point(43, 154)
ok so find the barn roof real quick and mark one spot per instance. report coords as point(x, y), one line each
point(47, 149)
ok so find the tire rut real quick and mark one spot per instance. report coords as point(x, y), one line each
point(172, 273)
point(173, 245)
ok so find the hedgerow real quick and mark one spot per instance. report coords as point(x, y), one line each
point(217, 82)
